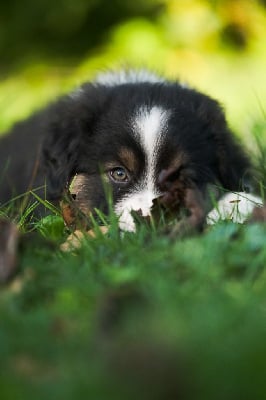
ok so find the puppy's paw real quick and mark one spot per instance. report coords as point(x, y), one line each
point(74, 241)
point(237, 207)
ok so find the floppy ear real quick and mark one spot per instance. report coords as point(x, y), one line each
point(233, 165)
point(60, 148)
point(66, 122)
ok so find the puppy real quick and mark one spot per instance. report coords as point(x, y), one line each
point(136, 135)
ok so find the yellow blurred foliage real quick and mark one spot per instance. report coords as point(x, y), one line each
point(217, 46)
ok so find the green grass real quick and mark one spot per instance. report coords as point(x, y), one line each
point(137, 316)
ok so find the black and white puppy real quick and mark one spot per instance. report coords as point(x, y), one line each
point(132, 131)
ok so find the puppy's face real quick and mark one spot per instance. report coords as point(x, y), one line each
point(127, 161)
point(129, 133)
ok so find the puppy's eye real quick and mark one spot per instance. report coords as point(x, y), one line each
point(119, 175)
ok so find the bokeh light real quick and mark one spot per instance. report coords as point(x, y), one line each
point(217, 46)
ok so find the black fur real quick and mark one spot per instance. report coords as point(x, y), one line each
point(82, 132)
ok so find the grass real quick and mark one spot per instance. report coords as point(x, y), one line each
point(137, 316)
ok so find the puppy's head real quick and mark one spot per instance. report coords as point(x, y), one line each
point(122, 133)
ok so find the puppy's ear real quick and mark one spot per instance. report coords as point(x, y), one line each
point(233, 165)
point(59, 150)
point(66, 121)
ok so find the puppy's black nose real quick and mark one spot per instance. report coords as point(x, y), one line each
point(138, 216)
point(146, 218)
point(157, 204)
point(139, 212)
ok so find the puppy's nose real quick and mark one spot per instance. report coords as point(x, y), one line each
point(138, 215)
point(157, 203)
point(139, 212)
point(145, 217)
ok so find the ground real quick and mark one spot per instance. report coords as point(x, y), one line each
point(138, 315)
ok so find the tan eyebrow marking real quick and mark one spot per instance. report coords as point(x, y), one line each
point(128, 158)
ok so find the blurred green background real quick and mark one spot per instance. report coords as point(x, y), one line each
point(218, 46)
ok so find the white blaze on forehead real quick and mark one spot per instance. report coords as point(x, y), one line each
point(149, 128)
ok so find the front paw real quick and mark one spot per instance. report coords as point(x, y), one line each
point(75, 239)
